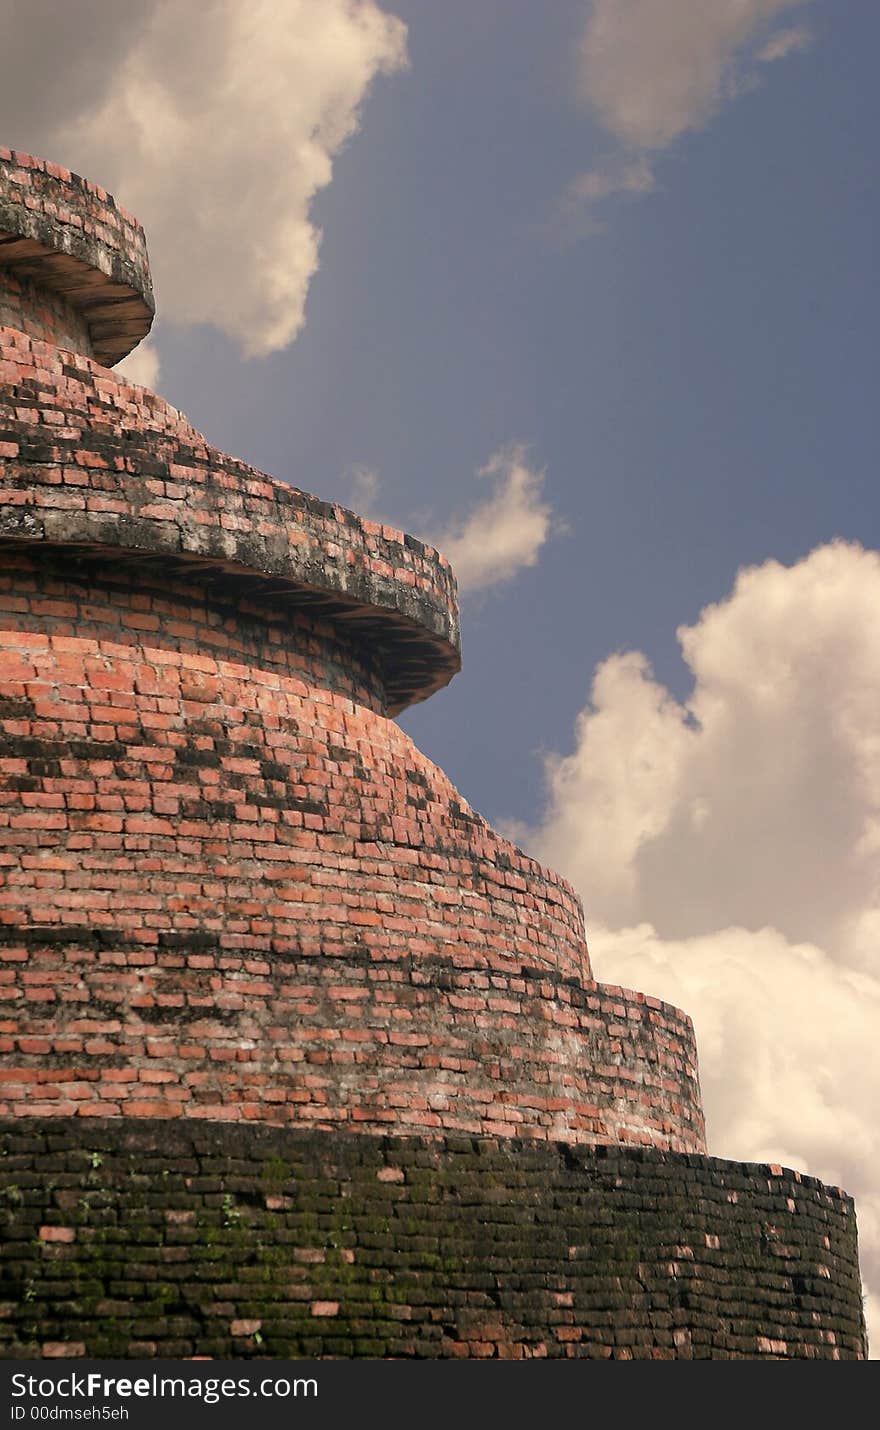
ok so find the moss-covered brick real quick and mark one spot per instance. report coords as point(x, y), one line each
point(612, 1260)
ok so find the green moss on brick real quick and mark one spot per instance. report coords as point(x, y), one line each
point(173, 1241)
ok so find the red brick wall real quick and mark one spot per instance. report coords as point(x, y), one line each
point(41, 313)
point(233, 889)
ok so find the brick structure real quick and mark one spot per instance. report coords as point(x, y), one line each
point(245, 925)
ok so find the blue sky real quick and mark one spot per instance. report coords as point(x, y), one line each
point(697, 379)
point(622, 253)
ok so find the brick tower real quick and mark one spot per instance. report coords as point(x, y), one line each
point(298, 1056)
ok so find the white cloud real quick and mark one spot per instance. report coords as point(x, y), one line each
point(577, 211)
point(652, 71)
point(141, 366)
point(216, 124)
point(496, 538)
point(785, 43)
point(872, 1317)
point(504, 533)
point(597, 184)
point(365, 484)
point(726, 848)
point(761, 794)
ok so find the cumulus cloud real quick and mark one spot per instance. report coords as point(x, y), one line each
point(506, 531)
point(141, 366)
point(761, 793)
point(727, 848)
point(652, 71)
point(217, 124)
point(494, 539)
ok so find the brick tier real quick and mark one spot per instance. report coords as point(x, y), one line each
point(141, 1240)
point(64, 236)
point(92, 463)
point(235, 889)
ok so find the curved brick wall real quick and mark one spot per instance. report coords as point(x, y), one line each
point(70, 237)
point(235, 889)
point(87, 460)
point(42, 314)
point(172, 1241)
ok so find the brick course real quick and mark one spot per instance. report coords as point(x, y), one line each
point(174, 1240)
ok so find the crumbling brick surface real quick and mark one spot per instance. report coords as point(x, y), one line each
point(150, 1239)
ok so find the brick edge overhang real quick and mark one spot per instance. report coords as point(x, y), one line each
point(134, 479)
point(416, 660)
point(67, 235)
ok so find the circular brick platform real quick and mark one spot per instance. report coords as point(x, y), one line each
point(73, 264)
point(92, 464)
